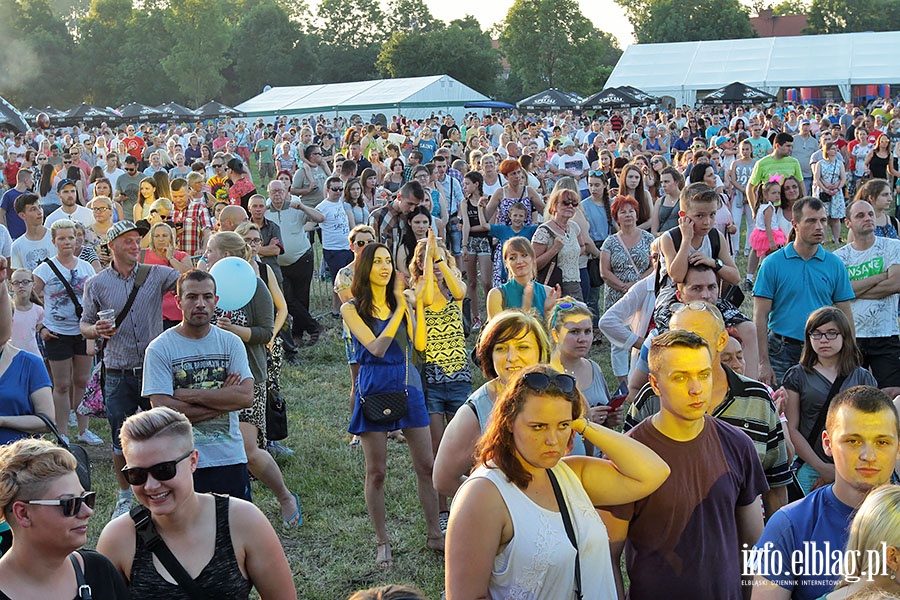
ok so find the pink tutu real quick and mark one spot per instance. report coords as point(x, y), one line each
point(759, 241)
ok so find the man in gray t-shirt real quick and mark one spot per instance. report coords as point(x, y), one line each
point(203, 372)
point(128, 186)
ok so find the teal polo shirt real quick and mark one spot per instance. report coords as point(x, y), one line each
point(797, 287)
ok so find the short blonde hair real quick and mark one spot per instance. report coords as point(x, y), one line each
point(61, 224)
point(160, 420)
point(28, 467)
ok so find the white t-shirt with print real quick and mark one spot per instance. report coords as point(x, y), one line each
point(873, 318)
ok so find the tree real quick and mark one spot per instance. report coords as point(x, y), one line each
point(550, 43)
point(460, 50)
point(42, 67)
point(202, 36)
point(352, 23)
point(414, 14)
point(280, 55)
point(790, 7)
point(847, 16)
point(656, 21)
point(102, 32)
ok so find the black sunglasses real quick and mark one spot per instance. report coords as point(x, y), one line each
point(540, 381)
point(70, 506)
point(337, 189)
point(163, 471)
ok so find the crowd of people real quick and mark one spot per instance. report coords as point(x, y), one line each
point(511, 245)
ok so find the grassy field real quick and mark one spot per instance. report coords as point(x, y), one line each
point(333, 552)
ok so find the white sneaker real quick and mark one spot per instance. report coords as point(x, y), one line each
point(122, 506)
point(73, 420)
point(90, 438)
point(65, 439)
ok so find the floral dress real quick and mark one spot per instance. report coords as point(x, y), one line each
point(621, 265)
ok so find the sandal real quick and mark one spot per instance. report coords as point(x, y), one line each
point(383, 557)
point(296, 519)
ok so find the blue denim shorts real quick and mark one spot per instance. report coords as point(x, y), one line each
point(446, 398)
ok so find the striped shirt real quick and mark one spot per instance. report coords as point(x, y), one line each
point(108, 289)
point(747, 406)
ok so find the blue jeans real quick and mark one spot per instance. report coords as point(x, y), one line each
point(454, 237)
point(122, 392)
point(782, 356)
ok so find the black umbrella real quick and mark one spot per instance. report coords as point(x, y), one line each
point(175, 110)
point(552, 99)
point(141, 113)
point(88, 114)
point(737, 93)
point(30, 113)
point(216, 110)
point(611, 98)
point(641, 95)
point(11, 117)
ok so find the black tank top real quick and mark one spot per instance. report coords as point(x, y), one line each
point(220, 578)
point(878, 166)
point(472, 214)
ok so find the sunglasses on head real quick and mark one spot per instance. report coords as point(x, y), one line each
point(70, 506)
point(163, 471)
point(540, 382)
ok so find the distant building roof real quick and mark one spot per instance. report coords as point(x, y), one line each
point(767, 24)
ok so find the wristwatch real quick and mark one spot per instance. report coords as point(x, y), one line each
point(719, 265)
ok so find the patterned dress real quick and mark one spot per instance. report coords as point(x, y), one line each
point(621, 265)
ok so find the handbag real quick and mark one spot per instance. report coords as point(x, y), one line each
point(570, 531)
point(276, 416)
point(83, 469)
point(593, 267)
point(386, 407)
point(92, 403)
point(550, 275)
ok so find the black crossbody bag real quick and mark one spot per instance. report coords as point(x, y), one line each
point(68, 286)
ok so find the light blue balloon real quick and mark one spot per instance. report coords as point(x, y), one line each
point(235, 282)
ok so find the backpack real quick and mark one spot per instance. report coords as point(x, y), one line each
point(715, 245)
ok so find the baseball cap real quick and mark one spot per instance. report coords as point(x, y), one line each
point(721, 141)
point(63, 183)
point(123, 227)
point(567, 143)
point(805, 122)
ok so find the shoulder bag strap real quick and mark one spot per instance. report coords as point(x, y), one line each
point(140, 277)
point(816, 432)
point(84, 590)
point(628, 254)
point(570, 531)
point(67, 285)
point(145, 529)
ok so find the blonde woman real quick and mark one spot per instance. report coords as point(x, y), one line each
point(48, 512)
point(163, 251)
point(158, 212)
point(245, 551)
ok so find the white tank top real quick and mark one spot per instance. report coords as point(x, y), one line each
point(539, 561)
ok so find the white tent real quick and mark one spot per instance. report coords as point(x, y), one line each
point(685, 70)
point(415, 97)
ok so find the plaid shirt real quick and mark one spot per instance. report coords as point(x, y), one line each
point(389, 226)
point(190, 223)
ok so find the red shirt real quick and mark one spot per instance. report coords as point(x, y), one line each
point(135, 147)
point(11, 172)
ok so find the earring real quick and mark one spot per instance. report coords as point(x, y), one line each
point(893, 575)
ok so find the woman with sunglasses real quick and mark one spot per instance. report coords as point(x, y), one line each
point(160, 460)
point(507, 535)
point(571, 329)
point(560, 240)
point(48, 512)
point(380, 319)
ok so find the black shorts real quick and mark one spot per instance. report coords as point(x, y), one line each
point(882, 356)
point(65, 347)
point(233, 480)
